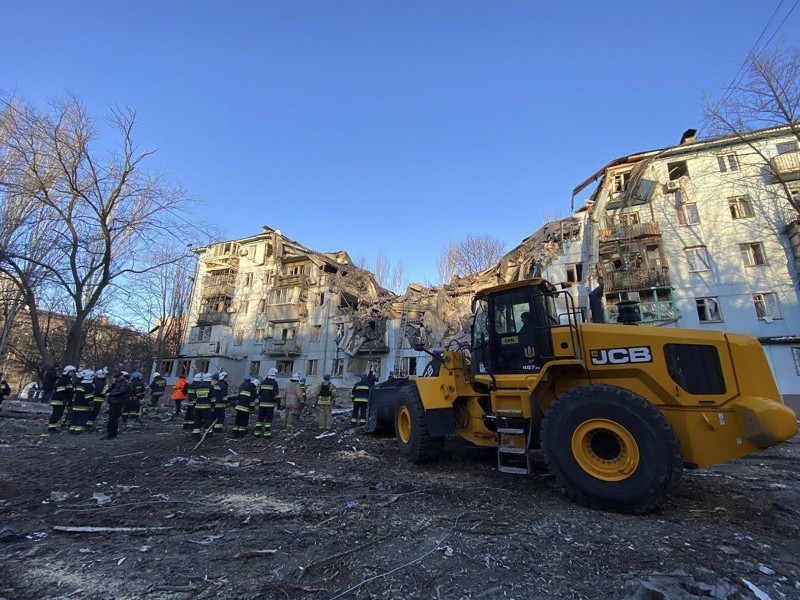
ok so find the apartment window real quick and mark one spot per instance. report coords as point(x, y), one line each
point(166, 368)
point(767, 307)
point(708, 310)
point(726, 163)
point(687, 214)
point(621, 219)
point(259, 337)
point(183, 367)
point(740, 207)
point(575, 272)
point(786, 147)
point(244, 307)
point(677, 170)
point(620, 182)
point(697, 257)
point(262, 305)
point(796, 357)
point(255, 368)
point(316, 331)
point(280, 296)
point(238, 338)
point(285, 367)
point(201, 366)
point(200, 334)
point(271, 331)
point(296, 270)
point(338, 368)
point(319, 299)
point(753, 254)
point(248, 280)
point(311, 367)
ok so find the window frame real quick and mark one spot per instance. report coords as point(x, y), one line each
point(682, 214)
point(258, 337)
point(746, 250)
point(238, 337)
point(793, 147)
point(248, 279)
point(737, 202)
point(312, 367)
point(281, 365)
point(796, 357)
point(337, 368)
point(728, 163)
point(704, 300)
point(763, 296)
point(695, 249)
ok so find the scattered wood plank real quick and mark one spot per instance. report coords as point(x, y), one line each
point(254, 554)
point(86, 529)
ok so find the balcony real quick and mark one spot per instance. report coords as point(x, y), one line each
point(278, 313)
point(652, 312)
point(218, 289)
point(629, 231)
point(282, 348)
point(301, 280)
point(636, 279)
point(787, 165)
point(214, 318)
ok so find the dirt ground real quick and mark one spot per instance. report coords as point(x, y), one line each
point(346, 517)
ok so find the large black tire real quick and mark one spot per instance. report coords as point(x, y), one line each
point(411, 429)
point(611, 449)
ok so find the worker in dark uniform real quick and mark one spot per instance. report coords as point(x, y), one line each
point(157, 388)
point(360, 400)
point(220, 400)
point(82, 402)
point(5, 389)
point(99, 385)
point(191, 397)
point(118, 394)
point(67, 418)
point(138, 391)
point(202, 407)
point(61, 396)
point(267, 402)
point(244, 402)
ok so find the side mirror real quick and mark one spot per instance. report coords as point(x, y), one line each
point(419, 347)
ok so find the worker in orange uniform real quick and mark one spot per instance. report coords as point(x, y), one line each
point(179, 393)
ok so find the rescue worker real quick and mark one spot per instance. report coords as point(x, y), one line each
point(82, 402)
point(202, 407)
point(179, 393)
point(67, 418)
point(360, 400)
point(291, 400)
point(157, 388)
point(61, 396)
point(219, 399)
point(303, 398)
point(244, 401)
point(191, 397)
point(99, 385)
point(118, 394)
point(49, 382)
point(5, 390)
point(267, 402)
point(324, 400)
point(133, 409)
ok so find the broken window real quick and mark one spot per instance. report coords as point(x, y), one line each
point(201, 366)
point(255, 368)
point(697, 257)
point(271, 331)
point(677, 170)
point(319, 299)
point(796, 357)
point(262, 305)
point(708, 310)
point(740, 207)
point(653, 256)
point(316, 331)
point(786, 147)
point(338, 368)
point(767, 307)
point(183, 367)
point(244, 307)
point(238, 338)
point(165, 368)
point(619, 183)
point(410, 365)
point(575, 273)
point(753, 254)
point(200, 334)
point(280, 296)
point(296, 270)
point(285, 367)
point(687, 214)
point(248, 280)
point(259, 337)
point(311, 367)
point(726, 163)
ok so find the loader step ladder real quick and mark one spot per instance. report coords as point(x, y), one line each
point(400, 339)
point(512, 450)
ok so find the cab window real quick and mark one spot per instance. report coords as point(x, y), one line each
point(511, 310)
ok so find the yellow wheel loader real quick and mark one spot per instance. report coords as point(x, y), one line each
point(615, 410)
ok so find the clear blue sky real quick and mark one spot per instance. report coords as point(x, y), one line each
point(387, 125)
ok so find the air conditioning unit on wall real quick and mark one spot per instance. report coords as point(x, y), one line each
point(673, 186)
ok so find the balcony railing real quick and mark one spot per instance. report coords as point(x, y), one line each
point(300, 279)
point(285, 312)
point(787, 165)
point(218, 289)
point(282, 348)
point(626, 232)
point(213, 318)
point(636, 279)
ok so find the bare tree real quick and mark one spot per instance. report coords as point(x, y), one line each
point(469, 255)
point(84, 218)
point(767, 95)
point(388, 275)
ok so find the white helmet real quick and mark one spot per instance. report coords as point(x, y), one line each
point(123, 373)
point(272, 372)
point(206, 376)
point(255, 382)
point(87, 375)
point(68, 369)
point(101, 372)
point(295, 377)
point(197, 377)
point(156, 374)
point(222, 375)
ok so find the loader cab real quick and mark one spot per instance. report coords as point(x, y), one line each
point(511, 328)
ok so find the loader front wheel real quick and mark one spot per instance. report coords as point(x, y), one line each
point(411, 428)
point(611, 449)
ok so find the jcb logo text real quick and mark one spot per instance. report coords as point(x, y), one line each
point(621, 356)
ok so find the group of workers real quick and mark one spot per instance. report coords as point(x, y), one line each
point(78, 397)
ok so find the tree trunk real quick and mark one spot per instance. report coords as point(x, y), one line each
point(72, 354)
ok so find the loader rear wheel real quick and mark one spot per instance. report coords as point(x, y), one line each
point(611, 449)
point(411, 428)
